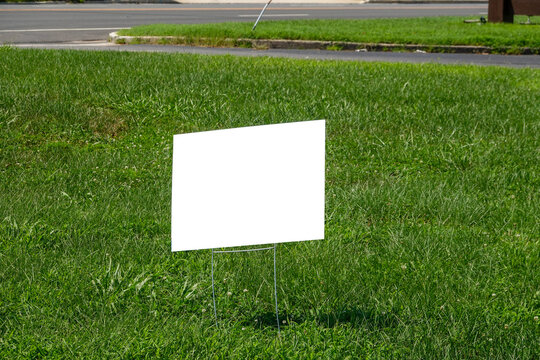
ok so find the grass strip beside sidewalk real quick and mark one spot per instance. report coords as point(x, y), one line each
point(430, 31)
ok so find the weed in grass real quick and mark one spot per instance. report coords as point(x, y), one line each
point(334, 47)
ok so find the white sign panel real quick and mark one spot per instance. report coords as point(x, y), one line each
point(248, 186)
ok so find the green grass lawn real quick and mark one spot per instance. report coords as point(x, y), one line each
point(426, 31)
point(432, 245)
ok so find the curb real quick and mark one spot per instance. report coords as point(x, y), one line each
point(264, 44)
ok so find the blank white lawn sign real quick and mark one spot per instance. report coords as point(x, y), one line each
point(248, 186)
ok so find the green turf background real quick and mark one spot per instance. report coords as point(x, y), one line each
point(432, 210)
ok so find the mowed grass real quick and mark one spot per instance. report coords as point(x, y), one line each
point(444, 30)
point(432, 243)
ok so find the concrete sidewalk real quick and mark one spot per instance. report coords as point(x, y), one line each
point(258, 2)
point(353, 2)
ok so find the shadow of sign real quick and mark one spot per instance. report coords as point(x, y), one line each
point(357, 317)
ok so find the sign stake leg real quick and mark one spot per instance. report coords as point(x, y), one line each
point(213, 289)
point(275, 289)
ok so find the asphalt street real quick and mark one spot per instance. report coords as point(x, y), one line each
point(54, 23)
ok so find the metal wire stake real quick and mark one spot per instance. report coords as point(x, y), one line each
point(213, 291)
point(238, 251)
point(275, 289)
point(275, 280)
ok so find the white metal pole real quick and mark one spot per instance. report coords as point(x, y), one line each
point(260, 15)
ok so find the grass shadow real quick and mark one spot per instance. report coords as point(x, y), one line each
point(356, 317)
point(359, 317)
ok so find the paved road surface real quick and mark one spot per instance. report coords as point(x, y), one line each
point(75, 22)
point(531, 61)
